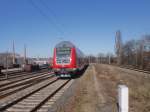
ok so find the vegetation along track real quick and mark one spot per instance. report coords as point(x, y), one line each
point(14, 87)
point(33, 98)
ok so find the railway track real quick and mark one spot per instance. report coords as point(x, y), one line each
point(14, 87)
point(135, 69)
point(35, 98)
point(12, 71)
point(17, 75)
point(21, 78)
point(132, 68)
point(2, 76)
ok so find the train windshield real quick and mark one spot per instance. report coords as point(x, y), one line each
point(63, 55)
point(63, 52)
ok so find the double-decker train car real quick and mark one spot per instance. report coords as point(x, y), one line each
point(67, 59)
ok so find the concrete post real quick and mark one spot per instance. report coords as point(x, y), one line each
point(123, 98)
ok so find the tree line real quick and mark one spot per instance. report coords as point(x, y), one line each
point(135, 53)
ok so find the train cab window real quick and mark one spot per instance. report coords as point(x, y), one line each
point(63, 55)
point(61, 52)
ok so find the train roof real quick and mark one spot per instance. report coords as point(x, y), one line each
point(65, 44)
point(70, 45)
point(80, 53)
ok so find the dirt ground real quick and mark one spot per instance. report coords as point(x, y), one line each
point(97, 90)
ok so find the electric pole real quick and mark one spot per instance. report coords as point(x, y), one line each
point(109, 57)
point(119, 51)
point(142, 55)
point(6, 76)
point(14, 58)
point(136, 58)
point(25, 60)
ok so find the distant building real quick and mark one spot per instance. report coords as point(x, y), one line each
point(7, 59)
point(41, 61)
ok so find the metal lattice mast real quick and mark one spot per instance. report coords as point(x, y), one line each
point(118, 42)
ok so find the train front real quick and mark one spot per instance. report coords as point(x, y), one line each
point(64, 60)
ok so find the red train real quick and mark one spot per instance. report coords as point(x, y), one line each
point(67, 59)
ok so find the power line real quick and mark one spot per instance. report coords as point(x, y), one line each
point(54, 16)
point(46, 16)
point(50, 10)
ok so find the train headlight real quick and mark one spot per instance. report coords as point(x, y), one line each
point(70, 59)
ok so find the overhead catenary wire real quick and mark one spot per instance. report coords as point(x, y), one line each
point(54, 16)
point(46, 16)
point(52, 13)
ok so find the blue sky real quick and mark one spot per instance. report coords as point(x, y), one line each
point(89, 24)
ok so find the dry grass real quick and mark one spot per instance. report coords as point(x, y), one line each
point(88, 100)
point(108, 78)
point(139, 86)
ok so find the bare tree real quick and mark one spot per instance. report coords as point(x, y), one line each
point(137, 52)
point(145, 52)
point(130, 52)
point(100, 57)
